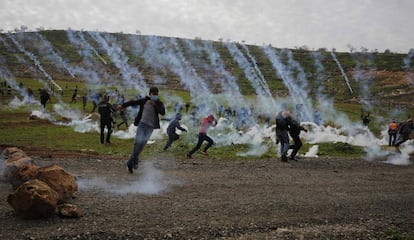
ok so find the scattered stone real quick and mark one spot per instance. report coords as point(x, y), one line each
point(33, 117)
point(69, 210)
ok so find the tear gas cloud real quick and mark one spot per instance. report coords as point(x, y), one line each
point(403, 158)
point(152, 181)
point(252, 75)
point(166, 55)
point(131, 76)
point(34, 59)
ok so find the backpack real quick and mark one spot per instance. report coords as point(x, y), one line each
point(392, 126)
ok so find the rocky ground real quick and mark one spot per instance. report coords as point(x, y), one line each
point(314, 198)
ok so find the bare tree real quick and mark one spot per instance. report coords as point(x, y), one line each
point(23, 28)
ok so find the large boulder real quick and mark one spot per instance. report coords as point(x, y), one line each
point(13, 152)
point(17, 166)
point(33, 199)
point(18, 175)
point(59, 180)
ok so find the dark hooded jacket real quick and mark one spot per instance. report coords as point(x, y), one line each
point(175, 124)
point(159, 109)
point(295, 128)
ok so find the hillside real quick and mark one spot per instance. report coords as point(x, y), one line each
point(135, 61)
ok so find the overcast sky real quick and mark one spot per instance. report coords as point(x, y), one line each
point(372, 24)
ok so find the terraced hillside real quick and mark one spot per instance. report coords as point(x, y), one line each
point(122, 60)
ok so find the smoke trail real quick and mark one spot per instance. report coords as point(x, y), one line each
point(189, 77)
point(11, 81)
point(47, 49)
point(297, 91)
point(35, 60)
point(342, 71)
point(132, 77)
point(216, 71)
point(27, 99)
point(407, 64)
point(320, 76)
point(261, 78)
point(73, 117)
point(325, 103)
point(364, 76)
point(89, 47)
point(263, 93)
point(90, 70)
point(6, 44)
point(162, 53)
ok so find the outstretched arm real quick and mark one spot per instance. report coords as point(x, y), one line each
point(159, 106)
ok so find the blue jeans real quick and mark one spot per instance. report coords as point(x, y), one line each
point(283, 137)
point(142, 136)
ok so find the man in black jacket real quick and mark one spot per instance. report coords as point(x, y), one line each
point(294, 132)
point(146, 121)
point(172, 135)
point(283, 121)
point(44, 97)
point(105, 110)
point(404, 131)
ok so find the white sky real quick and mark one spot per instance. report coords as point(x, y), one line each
point(373, 24)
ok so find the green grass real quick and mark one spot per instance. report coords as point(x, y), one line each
point(40, 133)
point(18, 130)
point(340, 149)
point(393, 233)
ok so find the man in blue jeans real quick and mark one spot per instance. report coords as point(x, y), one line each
point(283, 121)
point(146, 121)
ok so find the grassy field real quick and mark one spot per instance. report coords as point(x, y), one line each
point(17, 129)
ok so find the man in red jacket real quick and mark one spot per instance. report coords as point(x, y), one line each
point(202, 136)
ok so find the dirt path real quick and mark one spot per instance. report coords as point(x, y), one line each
point(208, 199)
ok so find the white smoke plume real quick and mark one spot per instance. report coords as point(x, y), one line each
point(35, 60)
point(131, 76)
point(264, 96)
point(215, 71)
point(297, 90)
point(407, 64)
point(312, 152)
point(342, 71)
point(150, 180)
point(17, 102)
point(43, 114)
point(255, 150)
point(402, 158)
point(47, 51)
